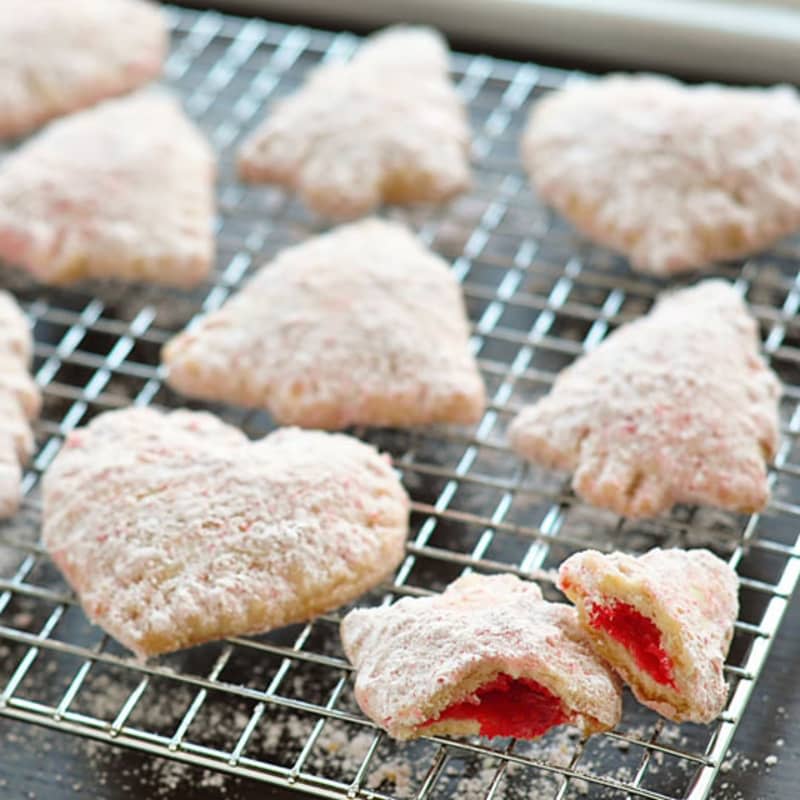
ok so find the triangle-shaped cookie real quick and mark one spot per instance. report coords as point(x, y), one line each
point(663, 620)
point(489, 656)
point(57, 56)
point(123, 190)
point(387, 127)
point(19, 402)
point(673, 176)
point(174, 529)
point(362, 325)
point(675, 407)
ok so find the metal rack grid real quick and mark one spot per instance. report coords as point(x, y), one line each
point(279, 707)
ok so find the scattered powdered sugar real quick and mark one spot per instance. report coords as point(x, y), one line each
point(727, 787)
point(213, 780)
point(341, 748)
point(337, 740)
point(738, 761)
point(351, 750)
point(394, 770)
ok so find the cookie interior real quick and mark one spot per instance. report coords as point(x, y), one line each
point(642, 643)
point(507, 706)
point(639, 635)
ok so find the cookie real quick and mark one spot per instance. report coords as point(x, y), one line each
point(362, 325)
point(19, 402)
point(123, 190)
point(663, 620)
point(673, 176)
point(57, 57)
point(387, 127)
point(174, 529)
point(675, 407)
point(489, 656)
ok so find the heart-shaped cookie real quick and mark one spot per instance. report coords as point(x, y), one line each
point(57, 57)
point(174, 529)
point(359, 326)
point(675, 407)
point(386, 127)
point(673, 176)
point(122, 190)
point(19, 401)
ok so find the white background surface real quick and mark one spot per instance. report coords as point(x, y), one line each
point(727, 39)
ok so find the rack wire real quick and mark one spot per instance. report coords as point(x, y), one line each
point(279, 707)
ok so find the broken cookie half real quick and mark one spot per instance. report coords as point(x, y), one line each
point(489, 656)
point(663, 620)
point(675, 407)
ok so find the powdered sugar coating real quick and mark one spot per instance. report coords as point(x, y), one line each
point(362, 325)
point(19, 401)
point(122, 190)
point(386, 127)
point(677, 406)
point(673, 176)
point(691, 595)
point(420, 655)
point(57, 56)
point(174, 529)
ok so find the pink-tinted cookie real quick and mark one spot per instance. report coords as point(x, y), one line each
point(672, 176)
point(174, 529)
point(676, 407)
point(57, 56)
point(124, 190)
point(19, 402)
point(489, 656)
point(663, 620)
point(362, 325)
point(387, 127)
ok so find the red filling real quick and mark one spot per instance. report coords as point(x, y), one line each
point(509, 706)
point(639, 635)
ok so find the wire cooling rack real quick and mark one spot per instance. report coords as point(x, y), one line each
point(279, 707)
